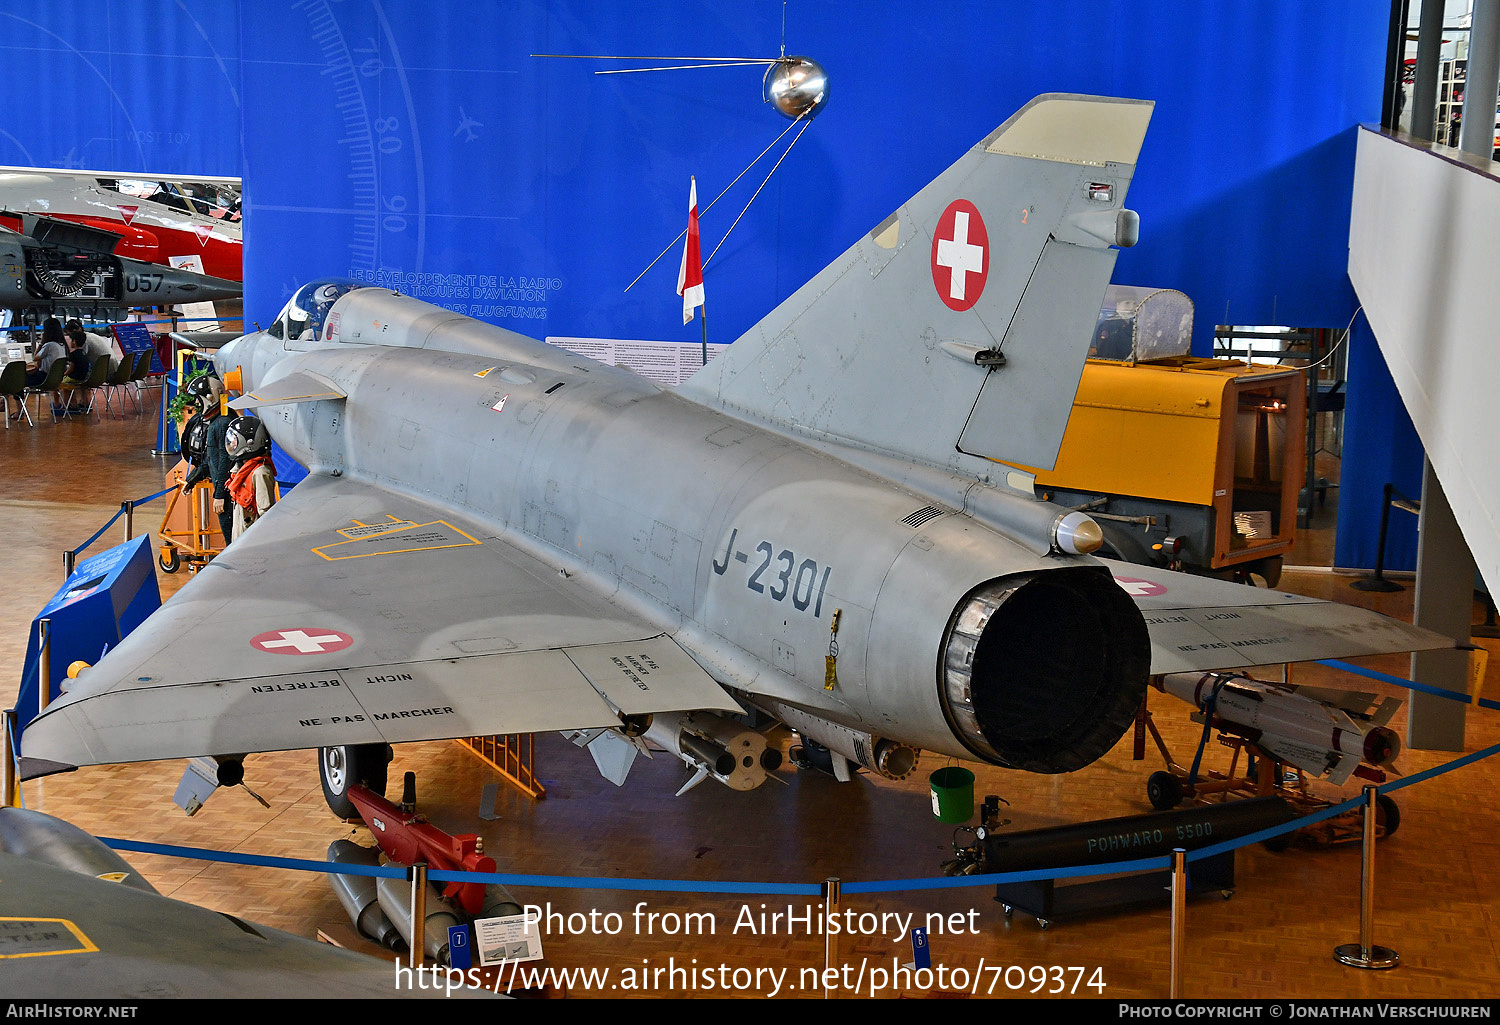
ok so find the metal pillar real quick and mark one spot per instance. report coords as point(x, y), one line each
point(1481, 81)
point(1365, 954)
point(1179, 917)
point(43, 664)
point(1424, 90)
point(832, 892)
point(1307, 495)
point(418, 877)
point(10, 784)
point(1395, 61)
point(1444, 603)
point(128, 508)
point(1377, 581)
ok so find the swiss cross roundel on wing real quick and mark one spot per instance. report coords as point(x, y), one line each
point(301, 641)
point(960, 256)
point(1138, 588)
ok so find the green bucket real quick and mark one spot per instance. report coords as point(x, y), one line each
point(952, 794)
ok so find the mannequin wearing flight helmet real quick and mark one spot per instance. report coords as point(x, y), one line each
point(252, 484)
point(209, 433)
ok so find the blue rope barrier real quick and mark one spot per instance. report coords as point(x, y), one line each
point(261, 860)
point(954, 882)
point(606, 883)
point(133, 505)
point(796, 889)
point(1425, 688)
point(1438, 770)
point(100, 531)
point(1311, 818)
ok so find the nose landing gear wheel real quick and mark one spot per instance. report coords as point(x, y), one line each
point(339, 768)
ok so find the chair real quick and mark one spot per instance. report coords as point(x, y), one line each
point(138, 377)
point(13, 384)
point(98, 371)
point(117, 380)
point(48, 386)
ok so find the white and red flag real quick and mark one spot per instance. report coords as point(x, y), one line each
point(690, 276)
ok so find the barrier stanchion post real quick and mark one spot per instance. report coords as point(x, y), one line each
point(418, 914)
point(1179, 917)
point(201, 528)
point(831, 896)
point(43, 664)
point(1377, 581)
point(10, 785)
point(1365, 954)
point(128, 508)
point(70, 559)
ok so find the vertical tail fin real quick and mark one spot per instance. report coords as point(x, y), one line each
point(954, 332)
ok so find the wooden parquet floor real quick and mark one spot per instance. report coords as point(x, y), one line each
point(1437, 903)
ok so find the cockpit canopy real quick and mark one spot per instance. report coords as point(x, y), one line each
point(304, 316)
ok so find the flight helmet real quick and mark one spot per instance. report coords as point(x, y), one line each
point(246, 437)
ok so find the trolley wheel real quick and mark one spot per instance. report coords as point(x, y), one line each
point(1008, 910)
point(1164, 791)
point(339, 768)
point(169, 560)
point(1226, 894)
point(1043, 922)
point(1387, 814)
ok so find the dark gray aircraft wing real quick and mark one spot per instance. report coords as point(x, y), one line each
point(351, 615)
point(80, 924)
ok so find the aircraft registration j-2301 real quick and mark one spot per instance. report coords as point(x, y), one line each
point(825, 527)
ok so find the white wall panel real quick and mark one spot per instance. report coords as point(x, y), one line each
point(1424, 258)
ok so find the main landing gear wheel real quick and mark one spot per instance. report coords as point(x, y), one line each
point(1164, 791)
point(339, 768)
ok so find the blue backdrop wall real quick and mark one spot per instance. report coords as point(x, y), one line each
point(122, 85)
point(422, 145)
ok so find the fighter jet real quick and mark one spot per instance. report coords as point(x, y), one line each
point(156, 220)
point(60, 267)
point(826, 527)
point(81, 924)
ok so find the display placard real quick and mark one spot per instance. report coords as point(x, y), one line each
point(135, 338)
point(507, 940)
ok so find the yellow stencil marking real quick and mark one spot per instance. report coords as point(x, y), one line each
point(486, 372)
point(40, 937)
point(362, 529)
point(419, 542)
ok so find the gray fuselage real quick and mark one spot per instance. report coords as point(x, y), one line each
point(742, 543)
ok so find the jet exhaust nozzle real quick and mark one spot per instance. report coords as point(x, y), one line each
point(1045, 671)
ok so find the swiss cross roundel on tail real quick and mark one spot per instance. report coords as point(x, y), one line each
point(960, 256)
